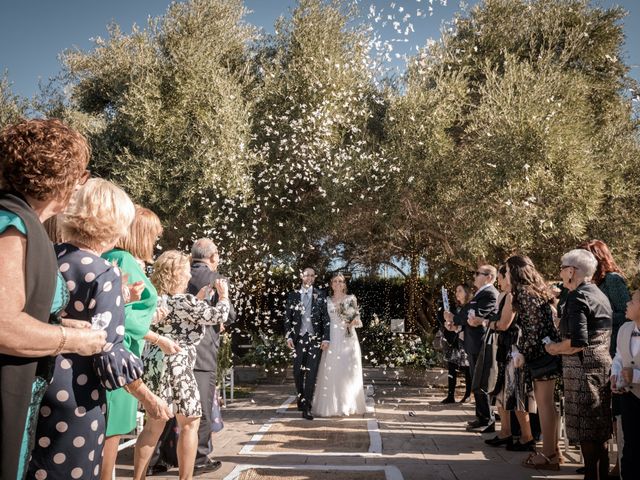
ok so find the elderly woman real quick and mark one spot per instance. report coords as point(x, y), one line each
point(71, 422)
point(610, 279)
point(172, 377)
point(585, 328)
point(42, 162)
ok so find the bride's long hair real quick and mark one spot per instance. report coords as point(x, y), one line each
point(333, 277)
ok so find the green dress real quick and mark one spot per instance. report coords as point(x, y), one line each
point(121, 406)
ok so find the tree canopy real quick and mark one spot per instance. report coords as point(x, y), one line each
point(514, 132)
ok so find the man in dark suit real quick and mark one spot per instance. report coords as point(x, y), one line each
point(204, 266)
point(482, 307)
point(307, 329)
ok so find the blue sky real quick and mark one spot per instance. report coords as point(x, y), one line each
point(34, 32)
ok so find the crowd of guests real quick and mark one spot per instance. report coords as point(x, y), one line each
point(535, 343)
point(77, 309)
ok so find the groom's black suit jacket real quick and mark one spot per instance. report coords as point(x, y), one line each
point(319, 315)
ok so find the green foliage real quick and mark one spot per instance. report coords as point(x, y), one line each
point(381, 347)
point(271, 352)
point(514, 132)
point(12, 107)
point(171, 101)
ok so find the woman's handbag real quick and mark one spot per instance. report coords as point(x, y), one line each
point(544, 366)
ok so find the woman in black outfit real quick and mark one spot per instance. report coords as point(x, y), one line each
point(512, 393)
point(454, 352)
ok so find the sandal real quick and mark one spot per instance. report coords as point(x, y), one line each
point(530, 462)
point(559, 455)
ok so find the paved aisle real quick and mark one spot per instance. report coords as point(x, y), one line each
point(409, 436)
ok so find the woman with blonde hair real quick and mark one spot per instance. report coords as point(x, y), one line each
point(172, 377)
point(71, 422)
point(130, 254)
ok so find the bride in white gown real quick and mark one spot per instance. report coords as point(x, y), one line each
point(339, 387)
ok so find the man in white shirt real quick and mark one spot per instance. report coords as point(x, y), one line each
point(307, 330)
point(625, 381)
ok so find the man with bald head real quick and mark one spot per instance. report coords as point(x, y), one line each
point(308, 333)
point(204, 271)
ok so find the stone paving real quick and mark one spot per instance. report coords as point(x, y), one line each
point(410, 437)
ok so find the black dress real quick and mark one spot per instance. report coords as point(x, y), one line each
point(71, 422)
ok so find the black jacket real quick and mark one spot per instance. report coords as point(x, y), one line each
point(587, 309)
point(485, 305)
point(319, 315)
point(207, 349)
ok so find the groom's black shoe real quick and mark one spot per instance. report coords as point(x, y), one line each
point(306, 414)
point(300, 402)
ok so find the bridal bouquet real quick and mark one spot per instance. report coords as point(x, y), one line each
point(349, 313)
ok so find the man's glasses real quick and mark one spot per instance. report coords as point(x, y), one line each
point(481, 273)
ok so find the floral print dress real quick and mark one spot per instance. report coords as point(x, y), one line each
point(171, 377)
point(536, 322)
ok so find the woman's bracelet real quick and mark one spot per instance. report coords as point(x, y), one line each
point(157, 339)
point(63, 341)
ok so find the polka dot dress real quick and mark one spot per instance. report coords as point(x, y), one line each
point(71, 424)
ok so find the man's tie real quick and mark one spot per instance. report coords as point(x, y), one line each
point(635, 333)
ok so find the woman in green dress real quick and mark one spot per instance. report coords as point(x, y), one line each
point(130, 254)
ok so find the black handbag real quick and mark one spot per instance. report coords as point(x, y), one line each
point(544, 366)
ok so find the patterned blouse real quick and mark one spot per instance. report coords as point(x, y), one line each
point(171, 377)
point(535, 319)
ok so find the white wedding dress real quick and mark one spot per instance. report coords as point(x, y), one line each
point(339, 387)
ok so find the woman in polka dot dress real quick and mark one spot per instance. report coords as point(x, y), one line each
point(71, 423)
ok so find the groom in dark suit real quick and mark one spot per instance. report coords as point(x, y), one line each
point(307, 329)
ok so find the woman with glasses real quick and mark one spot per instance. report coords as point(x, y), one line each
point(610, 279)
point(42, 163)
point(585, 329)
